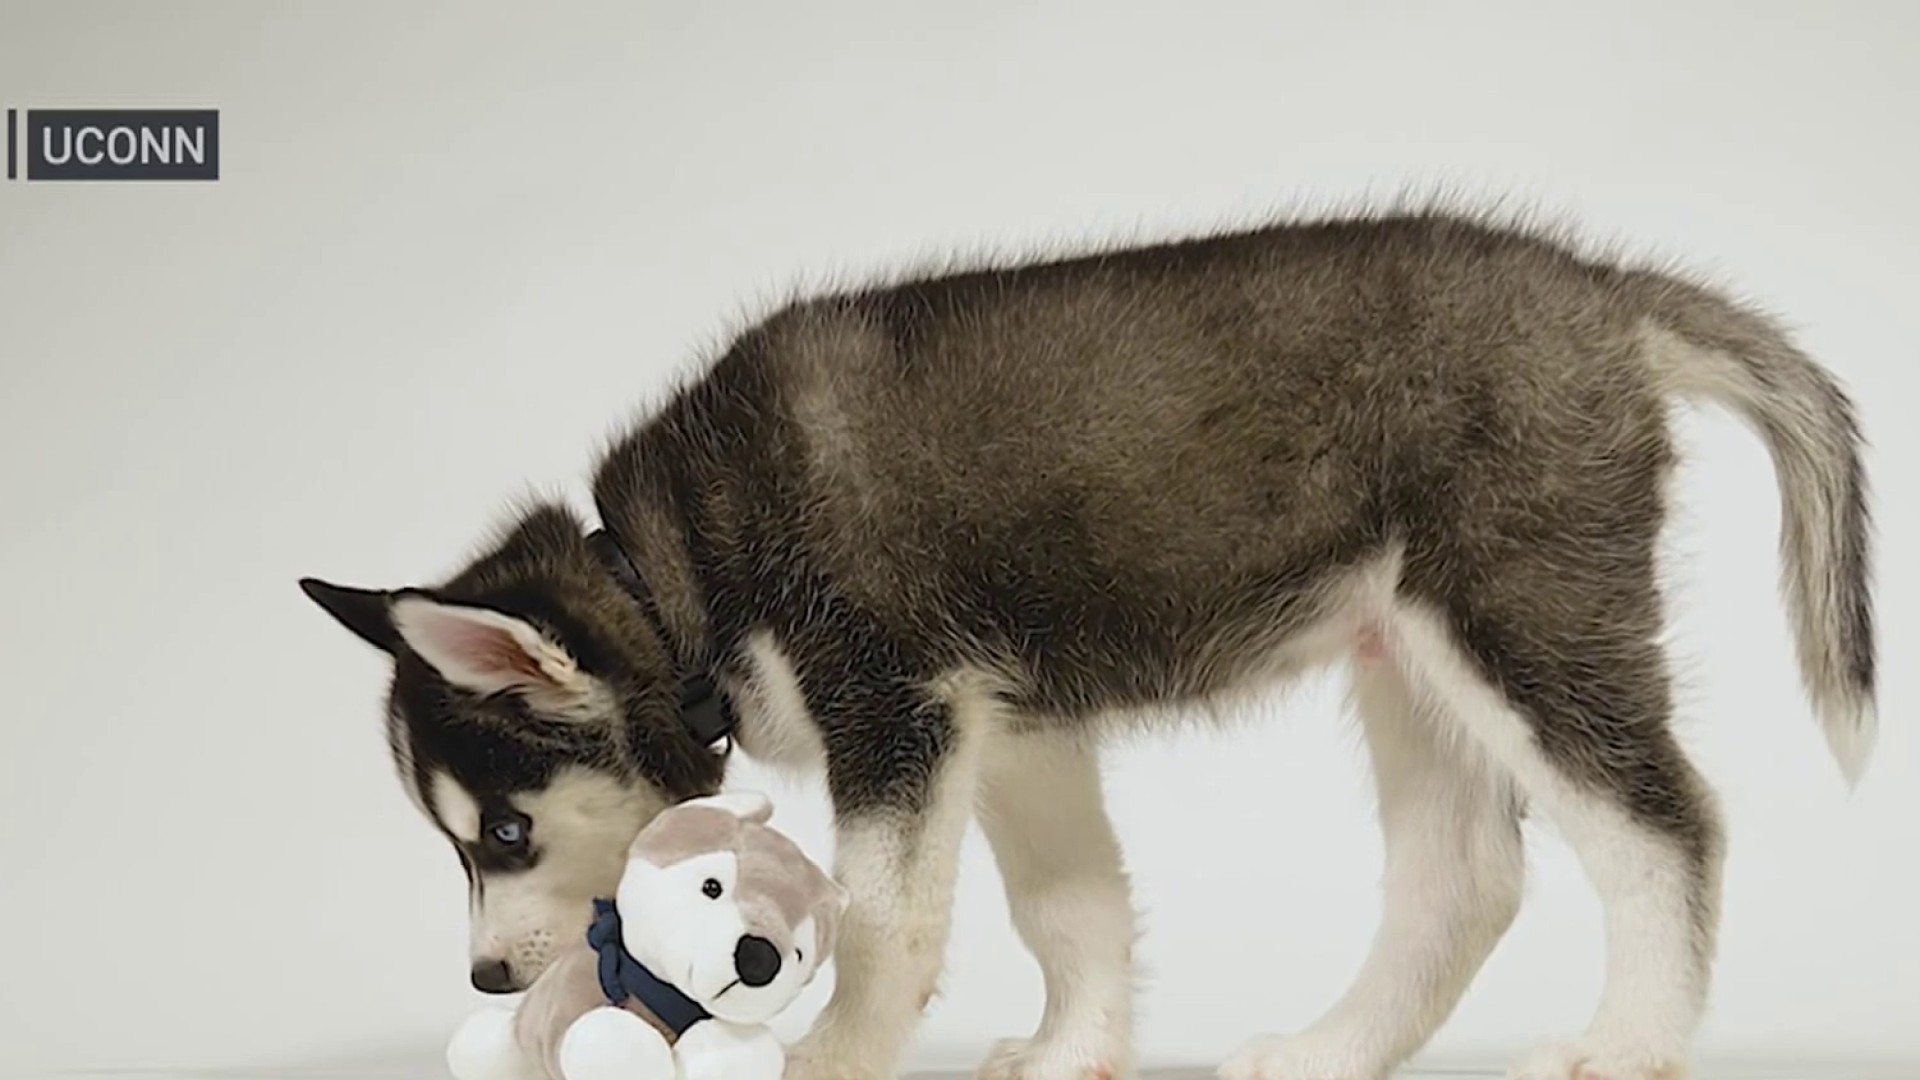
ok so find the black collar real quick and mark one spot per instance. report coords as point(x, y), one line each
point(704, 710)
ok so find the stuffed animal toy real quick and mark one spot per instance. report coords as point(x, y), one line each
point(718, 923)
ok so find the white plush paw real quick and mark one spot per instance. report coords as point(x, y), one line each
point(718, 1050)
point(484, 1048)
point(1301, 1057)
point(1587, 1059)
point(1050, 1059)
point(614, 1044)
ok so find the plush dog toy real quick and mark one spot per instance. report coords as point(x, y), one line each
point(718, 923)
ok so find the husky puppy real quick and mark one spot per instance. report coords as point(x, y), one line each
point(937, 537)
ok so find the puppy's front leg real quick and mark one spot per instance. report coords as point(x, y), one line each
point(903, 787)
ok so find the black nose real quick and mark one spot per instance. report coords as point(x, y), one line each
point(756, 960)
point(492, 977)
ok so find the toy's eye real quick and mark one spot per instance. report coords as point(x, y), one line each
point(507, 834)
point(799, 957)
point(711, 888)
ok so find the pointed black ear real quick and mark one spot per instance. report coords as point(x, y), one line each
point(366, 612)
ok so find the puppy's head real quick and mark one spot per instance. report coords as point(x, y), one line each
point(726, 909)
point(533, 717)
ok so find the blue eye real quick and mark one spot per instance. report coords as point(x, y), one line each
point(507, 833)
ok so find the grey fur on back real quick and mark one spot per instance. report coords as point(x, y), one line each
point(1123, 478)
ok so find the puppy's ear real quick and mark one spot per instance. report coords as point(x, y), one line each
point(487, 652)
point(749, 806)
point(366, 612)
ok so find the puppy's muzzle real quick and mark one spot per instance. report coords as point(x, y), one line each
point(493, 977)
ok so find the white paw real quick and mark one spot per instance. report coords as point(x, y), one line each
point(812, 1059)
point(1050, 1059)
point(484, 1048)
point(1301, 1057)
point(614, 1044)
point(1587, 1059)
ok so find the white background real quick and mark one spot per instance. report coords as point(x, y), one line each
point(453, 248)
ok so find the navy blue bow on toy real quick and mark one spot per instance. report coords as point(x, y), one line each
point(622, 978)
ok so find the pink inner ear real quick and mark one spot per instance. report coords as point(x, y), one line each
point(486, 650)
point(495, 650)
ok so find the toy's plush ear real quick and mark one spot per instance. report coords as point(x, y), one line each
point(699, 826)
point(487, 652)
point(749, 806)
point(827, 914)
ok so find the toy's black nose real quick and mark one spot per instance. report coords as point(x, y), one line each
point(492, 977)
point(756, 960)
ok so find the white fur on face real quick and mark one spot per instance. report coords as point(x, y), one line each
point(456, 808)
point(400, 742)
point(688, 938)
point(582, 824)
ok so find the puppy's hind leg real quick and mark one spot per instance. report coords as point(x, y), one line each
point(1454, 869)
point(1580, 723)
point(1043, 814)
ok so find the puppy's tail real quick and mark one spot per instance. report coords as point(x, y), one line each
point(1717, 351)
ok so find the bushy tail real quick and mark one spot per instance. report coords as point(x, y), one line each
point(1717, 351)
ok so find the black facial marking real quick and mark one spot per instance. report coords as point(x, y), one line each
point(507, 842)
point(493, 855)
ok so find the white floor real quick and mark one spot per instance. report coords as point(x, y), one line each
point(432, 1070)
